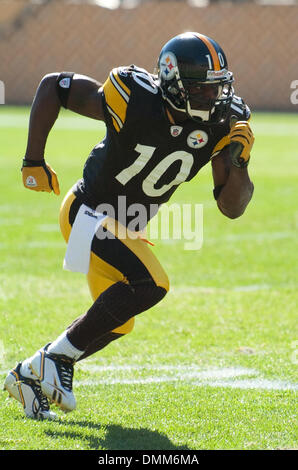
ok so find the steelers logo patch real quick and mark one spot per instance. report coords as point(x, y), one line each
point(168, 63)
point(197, 139)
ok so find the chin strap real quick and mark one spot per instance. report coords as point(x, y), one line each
point(194, 113)
point(191, 113)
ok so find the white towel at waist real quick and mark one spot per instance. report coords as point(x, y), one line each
point(87, 222)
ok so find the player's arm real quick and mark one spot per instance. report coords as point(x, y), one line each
point(233, 187)
point(78, 93)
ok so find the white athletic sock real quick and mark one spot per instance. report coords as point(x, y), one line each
point(62, 345)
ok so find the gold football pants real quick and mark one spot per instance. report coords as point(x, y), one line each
point(121, 259)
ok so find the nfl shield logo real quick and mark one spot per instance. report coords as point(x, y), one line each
point(65, 82)
point(176, 130)
point(31, 181)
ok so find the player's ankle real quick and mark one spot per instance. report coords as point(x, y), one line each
point(63, 346)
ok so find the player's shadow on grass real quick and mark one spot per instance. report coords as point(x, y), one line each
point(117, 437)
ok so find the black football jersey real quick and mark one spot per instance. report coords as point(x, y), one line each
point(144, 156)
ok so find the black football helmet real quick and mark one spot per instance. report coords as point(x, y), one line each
point(194, 77)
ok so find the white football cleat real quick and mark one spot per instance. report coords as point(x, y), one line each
point(55, 372)
point(28, 392)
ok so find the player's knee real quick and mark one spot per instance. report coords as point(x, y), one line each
point(119, 303)
point(133, 298)
point(147, 294)
point(142, 296)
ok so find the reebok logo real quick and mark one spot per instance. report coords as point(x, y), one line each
point(90, 214)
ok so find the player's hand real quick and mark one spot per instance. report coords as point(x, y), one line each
point(39, 176)
point(242, 140)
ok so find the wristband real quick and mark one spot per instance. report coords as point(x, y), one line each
point(30, 163)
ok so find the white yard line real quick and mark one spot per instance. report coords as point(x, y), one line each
point(258, 237)
point(261, 236)
point(213, 290)
point(257, 384)
point(233, 377)
point(227, 377)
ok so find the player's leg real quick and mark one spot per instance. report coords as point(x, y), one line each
point(100, 277)
point(142, 283)
point(113, 308)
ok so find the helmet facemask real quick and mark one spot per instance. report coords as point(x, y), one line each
point(198, 99)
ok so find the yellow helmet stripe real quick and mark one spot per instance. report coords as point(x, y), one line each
point(211, 49)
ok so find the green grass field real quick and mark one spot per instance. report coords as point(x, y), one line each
point(213, 366)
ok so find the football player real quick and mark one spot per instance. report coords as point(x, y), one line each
point(160, 131)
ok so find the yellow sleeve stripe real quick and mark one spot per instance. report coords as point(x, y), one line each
point(220, 145)
point(118, 124)
point(123, 87)
point(115, 124)
point(117, 100)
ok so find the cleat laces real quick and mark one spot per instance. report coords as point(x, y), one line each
point(40, 402)
point(66, 376)
point(43, 404)
point(65, 370)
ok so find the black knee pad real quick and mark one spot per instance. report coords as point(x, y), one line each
point(127, 300)
point(113, 308)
